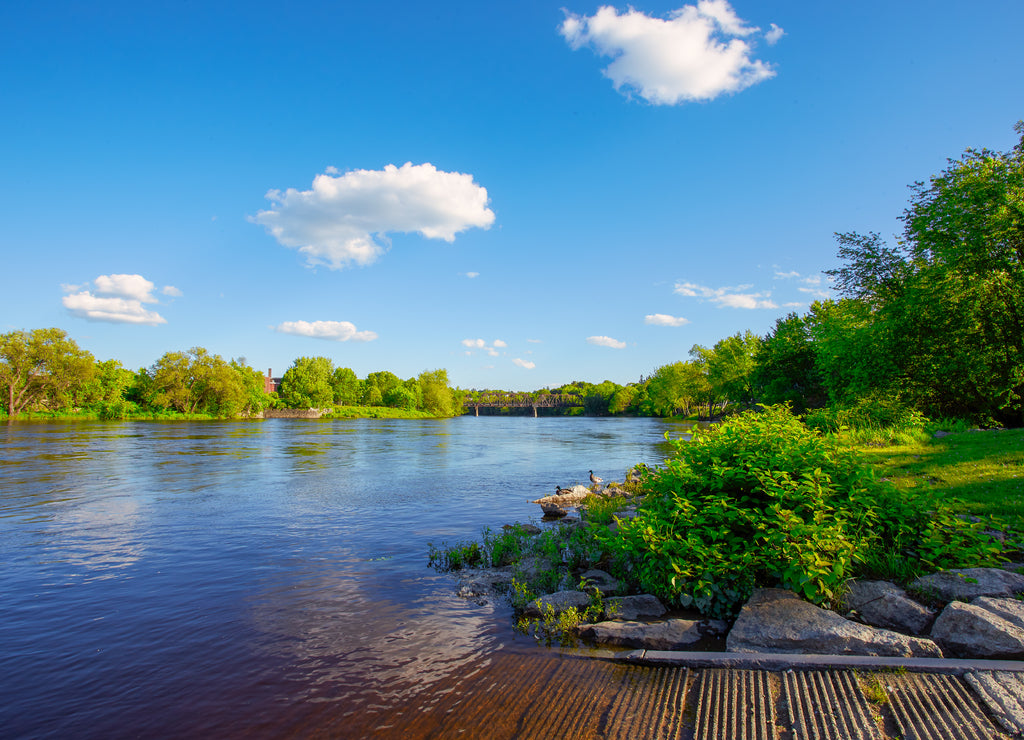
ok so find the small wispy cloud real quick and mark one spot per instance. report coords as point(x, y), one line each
point(662, 319)
point(470, 275)
point(525, 364)
point(481, 344)
point(336, 331)
point(730, 297)
point(602, 341)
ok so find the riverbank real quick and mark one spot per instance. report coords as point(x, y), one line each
point(761, 502)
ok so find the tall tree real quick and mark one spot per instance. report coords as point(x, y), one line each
point(307, 383)
point(41, 367)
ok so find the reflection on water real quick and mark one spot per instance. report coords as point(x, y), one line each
point(231, 578)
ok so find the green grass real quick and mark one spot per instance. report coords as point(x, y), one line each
point(375, 412)
point(983, 469)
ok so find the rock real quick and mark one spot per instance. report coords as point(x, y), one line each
point(1009, 609)
point(631, 608)
point(964, 584)
point(560, 601)
point(672, 634)
point(532, 566)
point(473, 589)
point(602, 581)
point(884, 604)
point(553, 510)
point(970, 631)
point(1001, 691)
point(777, 621)
point(565, 497)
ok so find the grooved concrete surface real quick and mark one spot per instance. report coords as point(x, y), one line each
point(561, 697)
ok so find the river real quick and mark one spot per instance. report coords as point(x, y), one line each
point(270, 578)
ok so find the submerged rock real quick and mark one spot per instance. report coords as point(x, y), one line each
point(778, 621)
point(559, 601)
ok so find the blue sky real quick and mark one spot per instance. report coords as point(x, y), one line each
point(523, 193)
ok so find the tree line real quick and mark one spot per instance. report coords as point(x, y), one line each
point(43, 370)
point(934, 324)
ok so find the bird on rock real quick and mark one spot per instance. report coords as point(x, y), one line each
point(595, 480)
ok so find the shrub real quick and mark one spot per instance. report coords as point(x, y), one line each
point(762, 500)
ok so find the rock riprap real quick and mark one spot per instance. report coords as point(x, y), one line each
point(886, 605)
point(642, 606)
point(671, 634)
point(972, 631)
point(778, 621)
point(964, 584)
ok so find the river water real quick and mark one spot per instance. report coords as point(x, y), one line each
point(270, 578)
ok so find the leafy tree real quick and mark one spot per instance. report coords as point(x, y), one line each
point(625, 398)
point(730, 366)
point(256, 398)
point(377, 385)
point(598, 398)
point(41, 367)
point(197, 382)
point(438, 398)
point(675, 389)
point(785, 370)
point(307, 383)
point(346, 386)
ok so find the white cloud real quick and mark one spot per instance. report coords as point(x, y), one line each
point(338, 331)
point(662, 319)
point(172, 291)
point(499, 343)
point(773, 35)
point(117, 299)
point(343, 220)
point(535, 341)
point(787, 275)
point(695, 54)
point(491, 350)
point(116, 310)
point(606, 342)
point(471, 275)
point(727, 297)
point(126, 286)
point(524, 363)
point(474, 343)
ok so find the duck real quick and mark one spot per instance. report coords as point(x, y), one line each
point(595, 480)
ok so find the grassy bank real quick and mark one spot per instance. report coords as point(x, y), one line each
point(982, 469)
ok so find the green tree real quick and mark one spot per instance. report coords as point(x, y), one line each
point(438, 398)
point(307, 383)
point(41, 368)
point(256, 397)
point(675, 389)
point(730, 366)
point(197, 382)
point(785, 370)
point(346, 386)
point(377, 385)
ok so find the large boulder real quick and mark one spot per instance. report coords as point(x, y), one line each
point(643, 606)
point(964, 584)
point(884, 604)
point(778, 621)
point(672, 634)
point(1009, 609)
point(559, 601)
point(971, 631)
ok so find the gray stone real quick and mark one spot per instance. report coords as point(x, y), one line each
point(553, 510)
point(1009, 609)
point(602, 581)
point(1003, 694)
point(884, 604)
point(964, 584)
point(672, 634)
point(643, 606)
point(969, 631)
point(559, 601)
point(777, 621)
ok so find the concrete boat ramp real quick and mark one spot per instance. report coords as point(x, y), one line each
point(711, 696)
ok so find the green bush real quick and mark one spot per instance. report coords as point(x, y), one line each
point(762, 500)
point(872, 420)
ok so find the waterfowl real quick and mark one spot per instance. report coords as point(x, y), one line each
point(595, 480)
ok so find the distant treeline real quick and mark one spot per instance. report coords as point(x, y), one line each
point(933, 326)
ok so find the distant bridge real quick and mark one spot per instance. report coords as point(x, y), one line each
point(524, 401)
